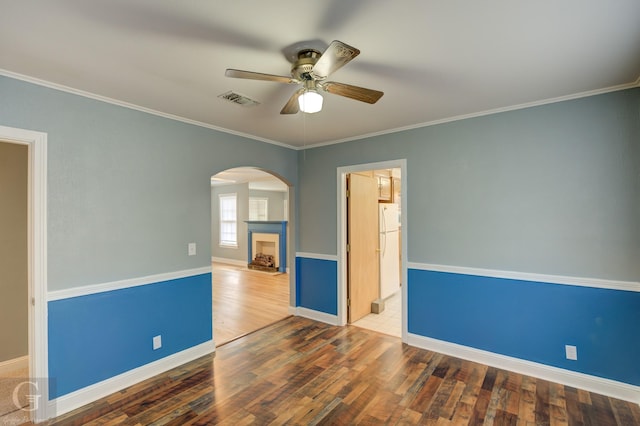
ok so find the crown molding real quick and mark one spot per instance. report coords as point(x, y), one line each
point(96, 97)
point(483, 113)
point(128, 105)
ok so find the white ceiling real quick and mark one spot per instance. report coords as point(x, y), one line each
point(256, 178)
point(435, 60)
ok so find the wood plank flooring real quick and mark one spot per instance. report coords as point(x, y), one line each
point(246, 300)
point(302, 372)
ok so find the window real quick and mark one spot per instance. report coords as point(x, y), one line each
point(258, 208)
point(228, 220)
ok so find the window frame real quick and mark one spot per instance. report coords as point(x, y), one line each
point(223, 230)
point(265, 200)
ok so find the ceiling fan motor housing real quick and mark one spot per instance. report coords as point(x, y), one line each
point(303, 67)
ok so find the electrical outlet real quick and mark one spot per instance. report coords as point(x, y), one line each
point(571, 352)
point(157, 342)
point(192, 249)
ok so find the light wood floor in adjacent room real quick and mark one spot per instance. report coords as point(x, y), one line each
point(245, 300)
point(303, 372)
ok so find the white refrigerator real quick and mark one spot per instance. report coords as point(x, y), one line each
point(389, 226)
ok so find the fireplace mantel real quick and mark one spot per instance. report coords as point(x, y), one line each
point(269, 227)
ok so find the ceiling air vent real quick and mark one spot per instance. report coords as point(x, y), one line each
point(239, 99)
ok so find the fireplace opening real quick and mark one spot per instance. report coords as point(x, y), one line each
point(266, 252)
point(267, 238)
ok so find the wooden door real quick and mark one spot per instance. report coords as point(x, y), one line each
point(362, 239)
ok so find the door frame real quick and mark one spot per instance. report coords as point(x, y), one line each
point(37, 257)
point(342, 173)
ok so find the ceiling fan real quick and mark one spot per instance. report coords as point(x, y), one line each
point(311, 69)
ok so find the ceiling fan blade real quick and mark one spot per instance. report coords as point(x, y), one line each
point(250, 75)
point(337, 55)
point(354, 92)
point(292, 107)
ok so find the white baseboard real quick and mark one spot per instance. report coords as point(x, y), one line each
point(11, 365)
point(594, 384)
point(91, 393)
point(316, 315)
point(226, 261)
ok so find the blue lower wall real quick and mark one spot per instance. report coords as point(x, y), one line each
point(530, 320)
point(98, 336)
point(527, 320)
point(317, 284)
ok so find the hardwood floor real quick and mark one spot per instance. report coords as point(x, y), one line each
point(246, 300)
point(303, 372)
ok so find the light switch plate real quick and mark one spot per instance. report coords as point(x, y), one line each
point(157, 342)
point(192, 249)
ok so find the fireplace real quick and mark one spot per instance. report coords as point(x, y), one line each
point(267, 243)
point(265, 251)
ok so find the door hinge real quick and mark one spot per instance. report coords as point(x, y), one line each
point(33, 301)
point(348, 302)
point(348, 248)
point(347, 193)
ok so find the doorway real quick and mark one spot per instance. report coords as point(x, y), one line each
point(384, 303)
point(249, 293)
point(36, 143)
point(14, 288)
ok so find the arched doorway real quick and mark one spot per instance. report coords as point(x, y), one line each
point(247, 298)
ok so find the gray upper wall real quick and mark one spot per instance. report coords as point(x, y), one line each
point(552, 189)
point(127, 190)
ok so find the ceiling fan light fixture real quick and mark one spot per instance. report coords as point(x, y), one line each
point(311, 69)
point(310, 101)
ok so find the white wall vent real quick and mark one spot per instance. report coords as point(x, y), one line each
point(239, 99)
